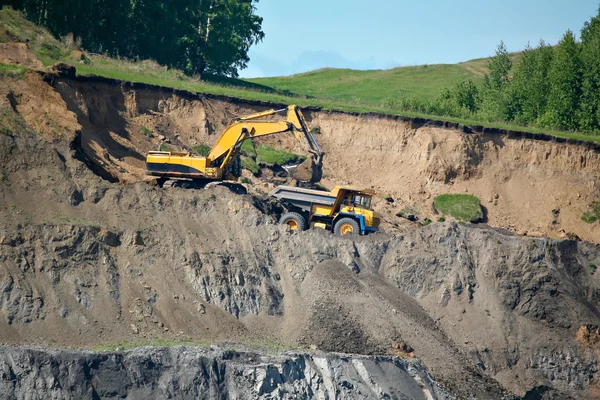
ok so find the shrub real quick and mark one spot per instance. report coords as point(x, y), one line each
point(246, 181)
point(164, 147)
point(463, 207)
point(593, 215)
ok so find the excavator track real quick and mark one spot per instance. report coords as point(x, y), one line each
point(201, 184)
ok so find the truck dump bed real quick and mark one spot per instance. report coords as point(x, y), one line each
point(303, 198)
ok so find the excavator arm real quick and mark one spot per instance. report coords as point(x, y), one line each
point(227, 147)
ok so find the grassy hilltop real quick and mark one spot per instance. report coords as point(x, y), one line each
point(330, 89)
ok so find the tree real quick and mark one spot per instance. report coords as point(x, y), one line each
point(589, 106)
point(193, 35)
point(231, 28)
point(530, 83)
point(499, 68)
point(498, 103)
point(565, 84)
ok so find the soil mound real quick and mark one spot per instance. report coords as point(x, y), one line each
point(18, 54)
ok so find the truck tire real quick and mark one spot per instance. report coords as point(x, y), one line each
point(295, 221)
point(346, 226)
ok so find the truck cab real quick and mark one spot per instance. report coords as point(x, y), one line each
point(344, 210)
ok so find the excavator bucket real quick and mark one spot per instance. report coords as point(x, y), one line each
point(308, 171)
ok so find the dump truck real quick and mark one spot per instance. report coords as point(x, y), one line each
point(344, 210)
point(223, 162)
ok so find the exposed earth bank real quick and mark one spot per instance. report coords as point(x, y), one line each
point(193, 373)
point(529, 186)
point(93, 255)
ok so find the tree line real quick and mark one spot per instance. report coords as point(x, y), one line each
point(195, 36)
point(547, 86)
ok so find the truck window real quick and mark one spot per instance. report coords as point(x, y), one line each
point(362, 201)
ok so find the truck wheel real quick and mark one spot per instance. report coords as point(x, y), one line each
point(346, 226)
point(295, 221)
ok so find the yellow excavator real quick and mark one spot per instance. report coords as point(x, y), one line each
point(223, 162)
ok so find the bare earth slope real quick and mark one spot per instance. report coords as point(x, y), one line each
point(87, 258)
point(531, 187)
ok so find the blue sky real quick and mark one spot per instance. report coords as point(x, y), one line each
point(374, 34)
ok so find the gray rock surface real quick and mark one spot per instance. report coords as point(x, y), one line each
point(195, 373)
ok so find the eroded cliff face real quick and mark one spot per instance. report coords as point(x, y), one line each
point(195, 373)
point(88, 259)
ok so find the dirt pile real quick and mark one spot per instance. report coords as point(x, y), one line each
point(18, 54)
point(88, 260)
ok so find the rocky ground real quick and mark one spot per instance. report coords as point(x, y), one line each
point(91, 254)
point(195, 373)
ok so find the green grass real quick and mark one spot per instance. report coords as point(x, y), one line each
point(463, 207)
point(202, 149)
point(17, 28)
point(329, 89)
point(372, 87)
point(164, 147)
point(248, 148)
point(116, 347)
point(14, 71)
point(593, 215)
point(145, 131)
point(269, 156)
point(251, 165)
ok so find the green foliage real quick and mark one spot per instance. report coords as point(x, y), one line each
point(463, 99)
point(463, 207)
point(164, 147)
point(246, 181)
point(565, 84)
point(497, 102)
point(145, 131)
point(202, 149)
point(589, 106)
point(13, 71)
point(251, 165)
point(530, 85)
point(269, 156)
point(441, 219)
point(593, 215)
point(499, 68)
point(427, 221)
point(248, 149)
point(593, 268)
point(202, 36)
